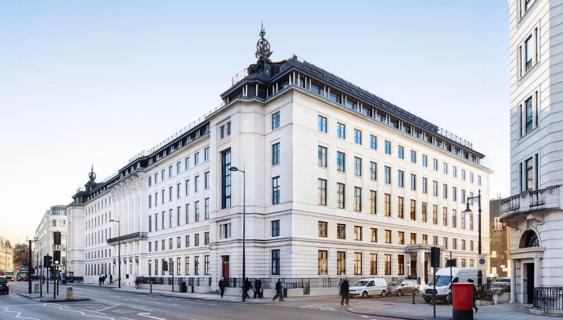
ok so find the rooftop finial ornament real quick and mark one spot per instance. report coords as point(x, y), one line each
point(263, 51)
point(92, 174)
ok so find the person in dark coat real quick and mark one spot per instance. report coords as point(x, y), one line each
point(246, 286)
point(110, 279)
point(257, 288)
point(345, 292)
point(222, 287)
point(279, 291)
point(475, 293)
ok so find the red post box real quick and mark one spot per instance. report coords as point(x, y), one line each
point(462, 301)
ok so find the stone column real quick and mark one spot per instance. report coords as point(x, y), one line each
point(537, 272)
point(512, 281)
point(420, 264)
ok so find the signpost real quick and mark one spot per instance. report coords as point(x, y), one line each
point(434, 263)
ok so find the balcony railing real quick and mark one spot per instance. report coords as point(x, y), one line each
point(548, 298)
point(543, 199)
point(127, 237)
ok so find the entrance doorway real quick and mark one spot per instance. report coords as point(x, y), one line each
point(413, 272)
point(225, 266)
point(530, 282)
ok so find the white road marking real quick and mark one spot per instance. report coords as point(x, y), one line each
point(18, 314)
point(148, 315)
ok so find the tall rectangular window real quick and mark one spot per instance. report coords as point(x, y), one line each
point(276, 190)
point(322, 124)
point(340, 262)
point(358, 166)
point(372, 170)
point(528, 45)
point(434, 214)
point(322, 192)
point(435, 164)
point(424, 212)
point(340, 161)
point(401, 207)
point(373, 234)
point(435, 188)
point(401, 264)
point(529, 174)
point(340, 130)
point(387, 147)
point(323, 229)
point(276, 262)
point(322, 156)
point(454, 218)
point(387, 264)
point(341, 195)
point(373, 264)
point(424, 185)
point(373, 142)
point(196, 211)
point(357, 136)
point(206, 154)
point(425, 161)
point(275, 154)
point(413, 182)
point(225, 179)
point(387, 174)
point(445, 216)
point(358, 233)
point(358, 263)
point(275, 228)
point(401, 152)
point(445, 191)
point(323, 262)
point(275, 120)
point(196, 265)
point(401, 236)
point(413, 156)
point(400, 178)
point(341, 231)
point(206, 180)
point(413, 210)
point(206, 209)
point(387, 205)
point(373, 202)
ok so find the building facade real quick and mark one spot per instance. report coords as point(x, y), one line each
point(333, 180)
point(500, 242)
point(533, 212)
point(6, 256)
point(54, 220)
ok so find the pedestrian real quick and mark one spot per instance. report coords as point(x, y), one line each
point(257, 288)
point(279, 292)
point(475, 292)
point(110, 279)
point(100, 280)
point(222, 287)
point(345, 292)
point(246, 286)
point(137, 281)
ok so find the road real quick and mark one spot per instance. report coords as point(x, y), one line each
point(106, 303)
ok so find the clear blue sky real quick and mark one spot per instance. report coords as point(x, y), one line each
point(85, 82)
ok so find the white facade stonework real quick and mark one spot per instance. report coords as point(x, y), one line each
point(533, 212)
point(178, 202)
point(54, 220)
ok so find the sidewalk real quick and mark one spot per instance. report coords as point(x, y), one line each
point(424, 311)
point(194, 296)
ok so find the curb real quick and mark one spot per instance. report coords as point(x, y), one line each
point(396, 316)
point(63, 301)
point(209, 300)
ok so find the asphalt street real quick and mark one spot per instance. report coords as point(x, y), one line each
point(106, 303)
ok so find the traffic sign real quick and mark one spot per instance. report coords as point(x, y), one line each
point(482, 261)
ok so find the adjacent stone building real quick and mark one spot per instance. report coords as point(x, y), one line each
point(500, 243)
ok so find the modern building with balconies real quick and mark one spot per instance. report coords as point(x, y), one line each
point(534, 212)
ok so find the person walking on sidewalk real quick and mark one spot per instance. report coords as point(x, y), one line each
point(246, 286)
point(279, 291)
point(475, 292)
point(110, 279)
point(257, 288)
point(222, 287)
point(345, 292)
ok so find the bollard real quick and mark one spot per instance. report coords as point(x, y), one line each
point(69, 293)
point(413, 296)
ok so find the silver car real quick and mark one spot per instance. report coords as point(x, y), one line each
point(403, 287)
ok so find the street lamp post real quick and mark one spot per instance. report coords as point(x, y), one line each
point(468, 210)
point(118, 251)
point(235, 169)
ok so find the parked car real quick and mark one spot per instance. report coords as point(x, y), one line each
point(4, 286)
point(9, 275)
point(369, 287)
point(405, 286)
point(444, 281)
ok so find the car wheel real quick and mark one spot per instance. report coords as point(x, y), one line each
point(416, 291)
point(364, 294)
point(426, 300)
point(400, 293)
point(383, 293)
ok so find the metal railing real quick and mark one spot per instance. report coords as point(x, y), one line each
point(190, 281)
point(548, 298)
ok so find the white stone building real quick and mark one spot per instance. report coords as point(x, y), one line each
point(54, 220)
point(536, 160)
point(6, 256)
point(339, 182)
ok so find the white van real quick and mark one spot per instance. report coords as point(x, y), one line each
point(444, 281)
point(369, 287)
